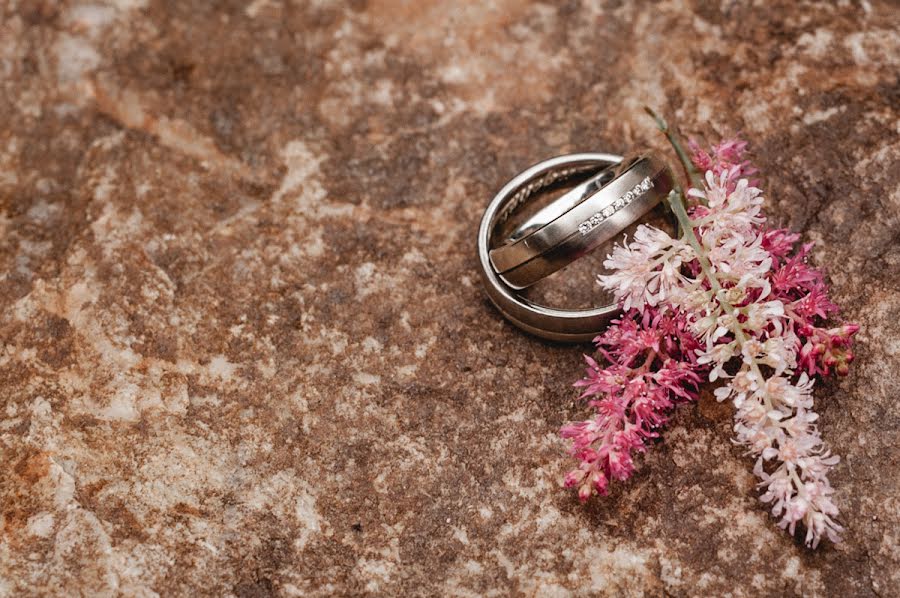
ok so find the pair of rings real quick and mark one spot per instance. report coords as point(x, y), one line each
point(615, 194)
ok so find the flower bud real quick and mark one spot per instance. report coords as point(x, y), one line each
point(849, 329)
point(573, 478)
point(584, 492)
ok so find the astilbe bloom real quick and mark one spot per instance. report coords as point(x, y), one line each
point(802, 290)
point(726, 157)
point(754, 311)
point(652, 366)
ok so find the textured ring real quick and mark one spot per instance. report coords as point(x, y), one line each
point(563, 204)
point(604, 210)
point(546, 322)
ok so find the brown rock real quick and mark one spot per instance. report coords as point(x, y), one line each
point(245, 350)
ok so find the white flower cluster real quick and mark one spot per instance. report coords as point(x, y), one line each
point(647, 271)
point(728, 300)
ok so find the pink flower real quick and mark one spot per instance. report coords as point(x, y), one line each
point(651, 367)
point(648, 269)
point(802, 290)
point(728, 299)
point(727, 157)
point(779, 242)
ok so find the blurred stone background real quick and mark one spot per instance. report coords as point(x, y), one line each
point(245, 349)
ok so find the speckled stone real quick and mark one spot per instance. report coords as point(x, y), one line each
point(244, 347)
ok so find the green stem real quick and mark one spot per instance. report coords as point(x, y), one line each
point(692, 173)
point(676, 202)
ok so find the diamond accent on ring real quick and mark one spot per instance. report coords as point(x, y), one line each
point(620, 202)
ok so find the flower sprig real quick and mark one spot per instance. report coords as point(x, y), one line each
point(652, 366)
point(731, 300)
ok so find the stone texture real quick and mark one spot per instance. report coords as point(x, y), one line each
point(245, 350)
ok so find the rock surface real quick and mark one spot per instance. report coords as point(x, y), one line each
point(245, 350)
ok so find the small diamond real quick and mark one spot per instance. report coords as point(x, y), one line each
point(619, 203)
point(608, 211)
point(596, 219)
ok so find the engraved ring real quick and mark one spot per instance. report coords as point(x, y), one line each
point(606, 209)
point(569, 325)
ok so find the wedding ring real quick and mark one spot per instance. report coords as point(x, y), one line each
point(546, 322)
point(567, 325)
point(581, 221)
point(563, 204)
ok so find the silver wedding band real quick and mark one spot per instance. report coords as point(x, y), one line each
point(603, 212)
point(590, 214)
